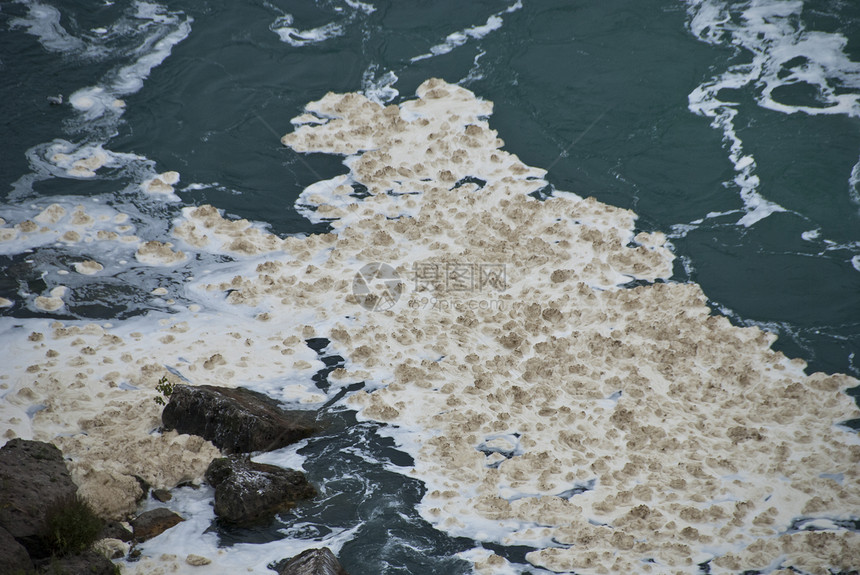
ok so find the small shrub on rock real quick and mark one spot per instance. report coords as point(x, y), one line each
point(71, 525)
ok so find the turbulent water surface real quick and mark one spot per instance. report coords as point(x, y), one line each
point(534, 381)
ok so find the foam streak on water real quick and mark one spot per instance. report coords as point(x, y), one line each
point(170, 29)
point(299, 37)
point(460, 37)
point(775, 52)
point(99, 108)
point(43, 21)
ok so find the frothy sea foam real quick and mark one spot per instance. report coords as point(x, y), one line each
point(288, 33)
point(43, 21)
point(545, 404)
point(285, 27)
point(99, 108)
point(171, 29)
point(623, 459)
point(778, 53)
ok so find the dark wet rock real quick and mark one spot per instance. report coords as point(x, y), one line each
point(162, 495)
point(144, 487)
point(88, 562)
point(13, 555)
point(116, 530)
point(33, 475)
point(312, 562)
point(247, 492)
point(235, 420)
point(155, 522)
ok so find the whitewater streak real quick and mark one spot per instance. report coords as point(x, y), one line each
point(776, 51)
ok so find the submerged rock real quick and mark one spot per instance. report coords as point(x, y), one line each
point(153, 523)
point(248, 492)
point(312, 562)
point(236, 420)
point(32, 476)
point(162, 495)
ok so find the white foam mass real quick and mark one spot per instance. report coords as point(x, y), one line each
point(80, 162)
point(612, 429)
point(641, 434)
point(363, 6)
point(88, 267)
point(53, 301)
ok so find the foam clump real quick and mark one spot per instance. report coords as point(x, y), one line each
point(95, 101)
point(51, 215)
point(83, 163)
point(8, 234)
point(162, 184)
point(53, 301)
point(158, 253)
point(88, 267)
point(204, 227)
point(117, 455)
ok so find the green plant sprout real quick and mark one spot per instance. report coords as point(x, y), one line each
point(165, 388)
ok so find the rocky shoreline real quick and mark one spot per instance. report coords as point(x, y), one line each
point(40, 504)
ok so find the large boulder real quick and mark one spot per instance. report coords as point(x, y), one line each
point(236, 420)
point(33, 475)
point(247, 492)
point(312, 562)
point(154, 522)
point(13, 556)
